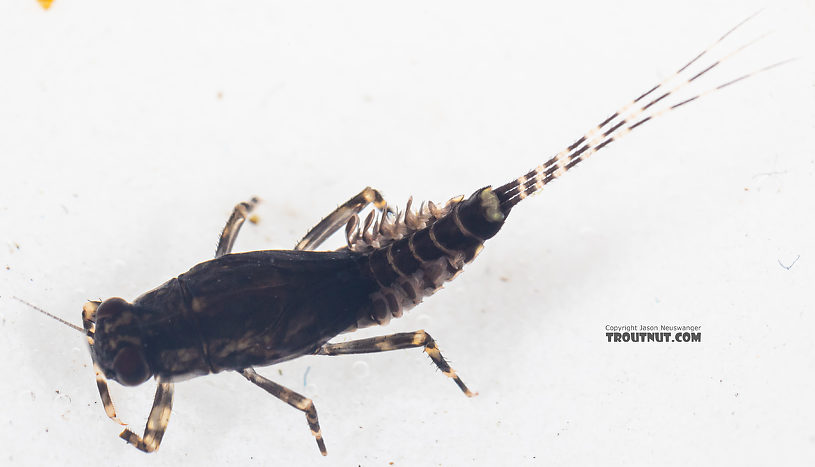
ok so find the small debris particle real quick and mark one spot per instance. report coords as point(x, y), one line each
point(791, 264)
point(280, 372)
point(254, 218)
point(504, 279)
point(220, 95)
point(45, 4)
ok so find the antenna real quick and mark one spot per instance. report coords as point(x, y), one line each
point(50, 315)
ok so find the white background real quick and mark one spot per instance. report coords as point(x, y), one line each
point(120, 163)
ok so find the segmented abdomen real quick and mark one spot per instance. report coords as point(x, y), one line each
point(417, 264)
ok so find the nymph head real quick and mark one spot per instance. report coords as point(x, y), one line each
point(115, 339)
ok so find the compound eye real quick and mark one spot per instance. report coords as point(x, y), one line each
point(111, 307)
point(131, 367)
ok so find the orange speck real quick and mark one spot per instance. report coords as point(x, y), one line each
point(45, 4)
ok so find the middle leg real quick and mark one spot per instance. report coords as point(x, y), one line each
point(299, 402)
point(233, 226)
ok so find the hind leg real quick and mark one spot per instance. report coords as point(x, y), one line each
point(402, 340)
point(337, 219)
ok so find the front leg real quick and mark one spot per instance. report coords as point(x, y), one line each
point(156, 422)
point(162, 403)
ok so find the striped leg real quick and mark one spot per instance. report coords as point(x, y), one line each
point(162, 402)
point(402, 340)
point(304, 404)
point(337, 219)
point(156, 422)
point(233, 226)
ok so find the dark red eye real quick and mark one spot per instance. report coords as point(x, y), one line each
point(111, 307)
point(131, 367)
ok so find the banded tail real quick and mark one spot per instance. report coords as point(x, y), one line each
point(411, 254)
point(494, 204)
point(622, 122)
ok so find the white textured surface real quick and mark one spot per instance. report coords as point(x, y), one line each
point(120, 163)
